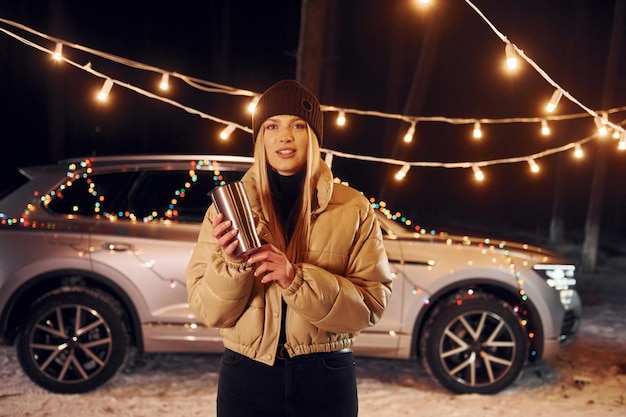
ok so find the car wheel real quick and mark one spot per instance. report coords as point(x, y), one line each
point(73, 340)
point(474, 345)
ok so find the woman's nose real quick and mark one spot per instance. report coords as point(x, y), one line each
point(286, 135)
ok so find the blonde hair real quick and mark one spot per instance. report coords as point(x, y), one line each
point(299, 242)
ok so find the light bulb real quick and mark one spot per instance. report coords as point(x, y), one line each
point(165, 82)
point(105, 90)
point(511, 56)
point(341, 118)
point(545, 129)
point(58, 52)
point(578, 151)
point(601, 126)
point(227, 131)
point(477, 132)
point(554, 100)
point(253, 103)
point(534, 168)
point(622, 141)
point(478, 174)
point(402, 172)
point(408, 137)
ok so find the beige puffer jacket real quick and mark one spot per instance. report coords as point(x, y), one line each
point(342, 287)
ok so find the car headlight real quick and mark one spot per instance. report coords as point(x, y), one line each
point(561, 278)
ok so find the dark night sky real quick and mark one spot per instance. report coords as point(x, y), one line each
point(460, 65)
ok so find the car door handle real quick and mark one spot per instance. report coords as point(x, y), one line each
point(116, 247)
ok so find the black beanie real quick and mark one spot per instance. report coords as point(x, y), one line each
point(289, 97)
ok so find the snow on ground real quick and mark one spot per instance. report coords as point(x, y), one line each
point(586, 379)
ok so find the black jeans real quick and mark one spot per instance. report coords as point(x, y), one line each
point(319, 384)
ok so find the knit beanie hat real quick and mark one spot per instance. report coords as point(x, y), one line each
point(289, 97)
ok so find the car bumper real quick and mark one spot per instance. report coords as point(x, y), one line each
point(570, 325)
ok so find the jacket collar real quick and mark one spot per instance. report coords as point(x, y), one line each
point(323, 186)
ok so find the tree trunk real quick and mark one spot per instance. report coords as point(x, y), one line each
point(311, 44)
point(556, 223)
point(594, 213)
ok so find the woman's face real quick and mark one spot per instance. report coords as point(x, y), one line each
point(286, 143)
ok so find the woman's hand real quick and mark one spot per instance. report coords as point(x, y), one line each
point(273, 265)
point(226, 237)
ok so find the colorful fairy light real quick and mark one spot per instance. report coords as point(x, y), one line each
point(489, 246)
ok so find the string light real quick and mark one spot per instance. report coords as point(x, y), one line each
point(554, 100)
point(253, 103)
point(402, 172)
point(545, 129)
point(511, 56)
point(478, 173)
point(578, 151)
point(408, 137)
point(58, 52)
point(622, 142)
point(477, 132)
point(534, 168)
point(341, 118)
point(328, 159)
point(105, 90)
point(165, 82)
point(212, 87)
point(601, 126)
point(227, 131)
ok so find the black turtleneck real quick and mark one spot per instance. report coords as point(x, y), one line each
point(286, 196)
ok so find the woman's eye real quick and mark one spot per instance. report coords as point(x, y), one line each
point(299, 125)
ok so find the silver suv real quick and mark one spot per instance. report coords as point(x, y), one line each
point(92, 261)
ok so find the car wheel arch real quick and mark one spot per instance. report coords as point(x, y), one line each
point(489, 287)
point(44, 283)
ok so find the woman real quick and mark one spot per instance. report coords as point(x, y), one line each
point(289, 311)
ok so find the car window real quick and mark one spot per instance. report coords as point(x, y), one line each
point(142, 195)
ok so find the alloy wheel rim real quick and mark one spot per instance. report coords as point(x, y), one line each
point(71, 343)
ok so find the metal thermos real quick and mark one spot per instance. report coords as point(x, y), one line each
point(231, 199)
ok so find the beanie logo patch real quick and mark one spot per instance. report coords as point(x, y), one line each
point(306, 105)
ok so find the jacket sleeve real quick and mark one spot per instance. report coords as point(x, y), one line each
point(355, 301)
point(218, 288)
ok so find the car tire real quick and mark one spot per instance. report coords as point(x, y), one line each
point(73, 340)
point(474, 345)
